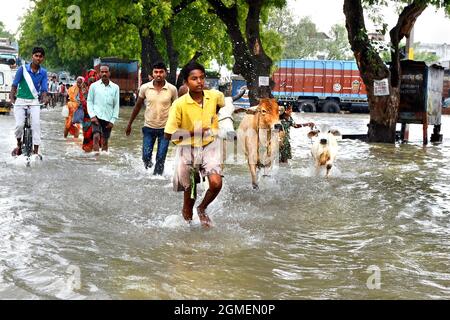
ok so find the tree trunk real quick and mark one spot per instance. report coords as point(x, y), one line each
point(149, 53)
point(383, 109)
point(250, 58)
point(173, 55)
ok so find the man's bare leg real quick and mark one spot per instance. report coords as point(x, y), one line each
point(105, 145)
point(215, 185)
point(188, 206)
point(96, 145)
point(18, 150)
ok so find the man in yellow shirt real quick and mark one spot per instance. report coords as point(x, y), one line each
point(192, 126)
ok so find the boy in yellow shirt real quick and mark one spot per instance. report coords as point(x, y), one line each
point(192, 126)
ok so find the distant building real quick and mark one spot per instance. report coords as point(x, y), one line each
point(5, 42)
point(442, 51)
point(375, 36)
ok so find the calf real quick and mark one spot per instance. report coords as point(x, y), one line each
point(324, 148)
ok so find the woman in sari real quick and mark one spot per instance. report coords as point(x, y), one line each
point(76, 97)
point(88, 141)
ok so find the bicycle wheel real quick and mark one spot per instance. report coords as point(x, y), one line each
point(27, 146)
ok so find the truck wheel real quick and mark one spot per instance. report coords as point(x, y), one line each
point(307, 107)
point(331, 107)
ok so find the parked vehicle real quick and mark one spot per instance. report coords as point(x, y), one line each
point(65, 78)
point(6, 79)
point(124, 73)
point(238, 83)
point(320, 85)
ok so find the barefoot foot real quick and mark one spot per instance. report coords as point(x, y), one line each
point(187, 216)
point(204, 219)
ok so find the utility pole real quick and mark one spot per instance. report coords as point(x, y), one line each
point(409, 52)
point(410, 45)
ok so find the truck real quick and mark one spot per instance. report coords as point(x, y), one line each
point(320, 85)
point(9, 60)
point(124, 73)
point(6, 79)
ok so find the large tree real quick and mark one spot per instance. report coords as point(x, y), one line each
point(383, 109)
point(242, 19)
point(152, 30)
point(72, 48)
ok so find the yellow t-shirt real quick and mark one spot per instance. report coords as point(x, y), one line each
point(187, 115)
point(158, 103)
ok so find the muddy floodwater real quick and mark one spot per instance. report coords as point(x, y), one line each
point(80, 227)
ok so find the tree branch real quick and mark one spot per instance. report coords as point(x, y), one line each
point(403, 28)
point(183, 4)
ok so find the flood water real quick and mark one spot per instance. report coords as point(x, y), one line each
point(80, 227)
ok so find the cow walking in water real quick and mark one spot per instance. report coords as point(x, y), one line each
point(258, 138)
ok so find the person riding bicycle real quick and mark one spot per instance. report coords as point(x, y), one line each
point(30, 81)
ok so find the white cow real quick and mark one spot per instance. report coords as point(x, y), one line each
point(324, 148)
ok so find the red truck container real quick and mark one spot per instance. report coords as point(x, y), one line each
point(124, 73)
point(320, 85)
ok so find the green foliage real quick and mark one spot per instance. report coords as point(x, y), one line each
point(303, 40)
point(273, 44)
point(100, 33)
point(195, 29)
point(338, 48)
point(4, 33)
point(111, 28)
point(428, 57)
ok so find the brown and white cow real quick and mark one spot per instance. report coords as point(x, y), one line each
point(324, 148)
point(257, 137)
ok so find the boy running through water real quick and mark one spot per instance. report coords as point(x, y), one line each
point(192, 125)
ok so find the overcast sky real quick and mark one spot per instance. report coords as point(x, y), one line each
point(431, 26)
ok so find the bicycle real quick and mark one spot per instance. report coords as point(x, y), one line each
point(27, 136)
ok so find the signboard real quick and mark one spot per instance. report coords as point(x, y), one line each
point(263, 81)
point(381, 87)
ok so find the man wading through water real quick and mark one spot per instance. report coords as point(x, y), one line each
point(192, 126)
point(103, 108)
point(159, 96)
